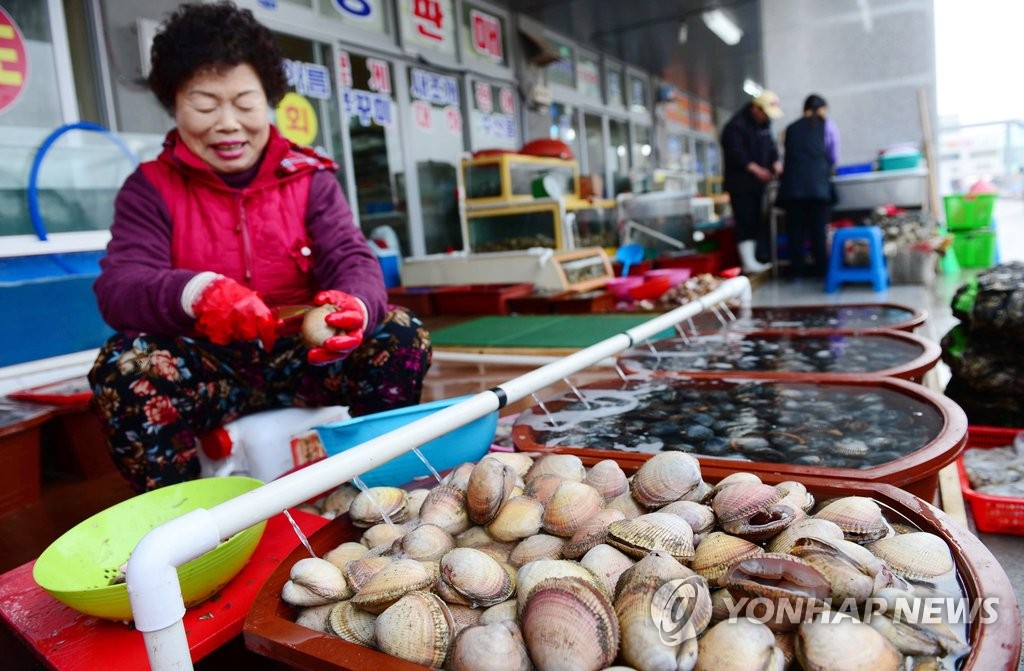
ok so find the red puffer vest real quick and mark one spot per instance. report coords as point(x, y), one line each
point(255, 235)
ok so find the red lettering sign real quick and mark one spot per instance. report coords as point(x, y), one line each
point(429, 18)
point(380, 75)
point(13, 61)
point(482, 95)
point(453, 120)
point(345, 69)
point(506, 101)
point(486, 35)
point(422, 115)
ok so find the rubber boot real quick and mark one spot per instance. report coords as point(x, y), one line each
point(751, 266)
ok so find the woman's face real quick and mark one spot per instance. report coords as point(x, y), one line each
point(222, 117)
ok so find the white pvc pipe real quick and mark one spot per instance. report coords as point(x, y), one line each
point(506, 359)
point(153, 587)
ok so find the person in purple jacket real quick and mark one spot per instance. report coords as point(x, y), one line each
point(229, 228)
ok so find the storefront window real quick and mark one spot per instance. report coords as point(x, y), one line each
point(436, 144)
point(637, 94)
point(643, 154)
point(363, 14)
point(483, 36)
point(588, 76)
point(563, 126)
point(618, 155)
point(493, 117)
point(562, 72)
point(307, 115)
point(368, 99)
point(613, 83)
point(595, 149)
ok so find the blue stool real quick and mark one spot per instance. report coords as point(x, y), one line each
point(875, 272)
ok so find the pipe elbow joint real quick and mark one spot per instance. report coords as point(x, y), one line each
point(154, 590)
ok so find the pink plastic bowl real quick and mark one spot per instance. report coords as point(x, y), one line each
point(620, 286)
point(676, 276)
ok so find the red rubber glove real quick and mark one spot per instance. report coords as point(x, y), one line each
point(227, 312)
point(350, 317)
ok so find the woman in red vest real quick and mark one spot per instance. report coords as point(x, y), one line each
point(230, 223)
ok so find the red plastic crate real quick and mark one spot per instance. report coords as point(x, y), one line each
point(992, 513)
point(710, 262)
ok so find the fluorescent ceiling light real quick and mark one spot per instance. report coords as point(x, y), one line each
point(720, 24)
point(684, 32)
point(752, 88)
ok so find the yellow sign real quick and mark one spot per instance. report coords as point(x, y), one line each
point(296, 119)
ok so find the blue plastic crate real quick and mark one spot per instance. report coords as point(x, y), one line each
point(467, 443)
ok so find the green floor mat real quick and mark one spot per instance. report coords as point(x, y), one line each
point(538, 331)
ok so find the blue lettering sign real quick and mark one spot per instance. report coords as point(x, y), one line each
point(360, 8)
point(433, 88)
point(318, 82)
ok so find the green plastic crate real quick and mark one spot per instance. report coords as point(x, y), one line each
point(975, 249)
point(969, 212)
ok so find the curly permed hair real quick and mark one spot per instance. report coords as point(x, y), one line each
point(219, 35)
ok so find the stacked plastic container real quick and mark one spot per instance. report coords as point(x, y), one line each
point(969, 219)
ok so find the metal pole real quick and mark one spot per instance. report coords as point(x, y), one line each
point(153, 586)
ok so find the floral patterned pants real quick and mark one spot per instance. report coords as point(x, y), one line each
point(156, 394)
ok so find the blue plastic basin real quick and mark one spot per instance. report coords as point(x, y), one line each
point(467, 443)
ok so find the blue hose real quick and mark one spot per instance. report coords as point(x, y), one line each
point(33, 189)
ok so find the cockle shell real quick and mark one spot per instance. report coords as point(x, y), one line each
point(664, 478)
point(543, 487)
point(520, 517)
point(459, 476)
point(607, 563)
point(844, 643)
point(718, 551)
point(572, 504)
point(738, 645)
point(795, 495)
point(382, 534)
point(859, 517)
point(490, 647)
point(340, 498)
point(565, 466)
point(851, 569)
point(477, 576)
point(315, 330)
point(751, 510)
point(315, 617)
point(915, 556)
point(391, 583)
point(519, 461)
point(728, 481)
point(418, 628)
point(314, 582)
point(806, 527)
point(700, 517)
point(445, 506)
point(593, 531)
point(351, 624)
point(778, 578)
point(653, 531)
point(645, 615)
point(928, 636)
point(533, 573)
point(627, 505)
point(490, 485)
point(359, 571)
point(463, 616)
point(414, 500)
point(346, 552)
point(427, 542)
point(569, 625)
point(539, 546)
point(370, 506)
point(607, 477)
point(506, 610)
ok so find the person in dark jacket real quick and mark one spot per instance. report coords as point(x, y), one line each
point(805, 192)
point(229, 229)
point(751, 161)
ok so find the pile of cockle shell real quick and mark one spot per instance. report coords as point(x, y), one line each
point(519, 563)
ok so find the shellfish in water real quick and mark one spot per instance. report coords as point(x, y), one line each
point(859, 517)
point(739, 645)
point(844, 644)
point(371, 506)
point(569, 624)
point(417, 628)
point(915, 556)
point(476, 576)
point(490, 647)
point(315, 582)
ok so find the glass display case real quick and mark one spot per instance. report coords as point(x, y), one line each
point(516, 202)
